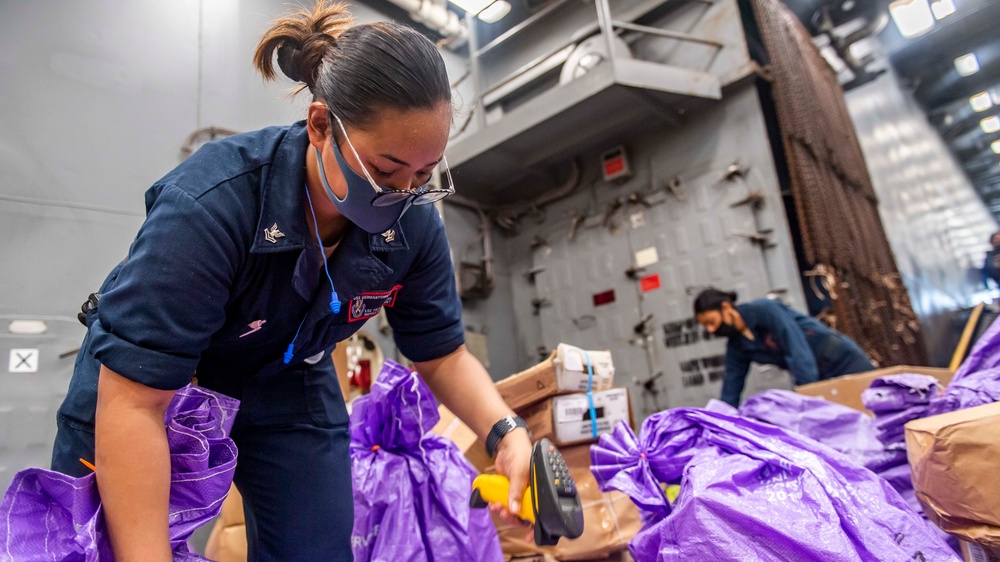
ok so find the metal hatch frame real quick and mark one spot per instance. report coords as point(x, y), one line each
point(503, 162)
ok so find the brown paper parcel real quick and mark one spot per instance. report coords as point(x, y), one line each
point(954, 459)
point(610, 519)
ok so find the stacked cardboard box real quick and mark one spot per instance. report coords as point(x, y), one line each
point(566, 420)
point(552, 399)
point(846, 390)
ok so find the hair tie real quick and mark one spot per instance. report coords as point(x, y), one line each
point(289, 55)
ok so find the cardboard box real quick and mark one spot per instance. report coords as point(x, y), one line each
point(227, 544)
point(610, 519)
point(972, 552)
point(564, 371)
point(565, 419)
point(953, 462)
point(450, 427)
point(847, 389)
point(228, 541)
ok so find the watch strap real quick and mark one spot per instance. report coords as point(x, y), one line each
point(501, 429)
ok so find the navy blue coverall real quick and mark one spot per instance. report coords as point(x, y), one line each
point(806, 347)
point(222, 275)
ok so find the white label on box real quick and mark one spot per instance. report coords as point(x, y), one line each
point(571, 369)
point(977, 553)
point(573, 359)
point(571, 415)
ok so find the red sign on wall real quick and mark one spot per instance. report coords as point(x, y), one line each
point(649, 282)
point(614, 166)
point(606, 297)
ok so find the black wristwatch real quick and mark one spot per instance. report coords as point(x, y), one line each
point(500, 429)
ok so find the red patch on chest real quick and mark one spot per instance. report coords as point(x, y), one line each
point(368, 304)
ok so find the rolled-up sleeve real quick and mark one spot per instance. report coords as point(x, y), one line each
point(426, 318)
point(158, 315)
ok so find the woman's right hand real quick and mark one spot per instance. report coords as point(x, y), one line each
point(133, 467)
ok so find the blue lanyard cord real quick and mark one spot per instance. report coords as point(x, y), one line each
point(334, 299)
point(287, 357)
point(590, 394)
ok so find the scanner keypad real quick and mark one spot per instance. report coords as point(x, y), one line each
point(563, 480)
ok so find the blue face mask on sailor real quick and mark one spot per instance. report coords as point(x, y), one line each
point(372, 207)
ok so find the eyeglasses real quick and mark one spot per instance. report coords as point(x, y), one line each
point(387, 197)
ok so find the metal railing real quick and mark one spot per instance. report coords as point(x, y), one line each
point(605, 24)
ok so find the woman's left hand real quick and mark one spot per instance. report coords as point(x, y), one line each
point(514, 462)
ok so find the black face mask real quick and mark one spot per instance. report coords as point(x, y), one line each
point(727, 331)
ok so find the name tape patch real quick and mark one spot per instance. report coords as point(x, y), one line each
point(368, 304)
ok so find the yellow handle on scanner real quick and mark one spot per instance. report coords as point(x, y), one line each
point(494, 488)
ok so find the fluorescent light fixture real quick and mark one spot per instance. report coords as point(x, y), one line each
point(995, 146)
point(912, 17)
point(981, 101)
point(967, 65)
point(490, 11)
point(27, 327)
point(990, 125)
point(495, 11)
point(942, 8)
point(472, 6)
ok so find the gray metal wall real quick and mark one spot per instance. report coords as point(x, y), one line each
point(696, 236)
point(697, 239)
point(936, 223)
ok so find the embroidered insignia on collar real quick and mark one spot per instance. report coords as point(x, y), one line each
point(389, 236)
point(272, 234)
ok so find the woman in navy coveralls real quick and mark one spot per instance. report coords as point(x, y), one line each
point(768, 332)
point(258, 254)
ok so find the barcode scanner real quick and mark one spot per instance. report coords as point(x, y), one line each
point(551, 501)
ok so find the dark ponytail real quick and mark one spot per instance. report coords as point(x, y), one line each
point(712, 299)
point(356, 70)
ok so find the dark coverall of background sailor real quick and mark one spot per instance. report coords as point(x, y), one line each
point(768, 332)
